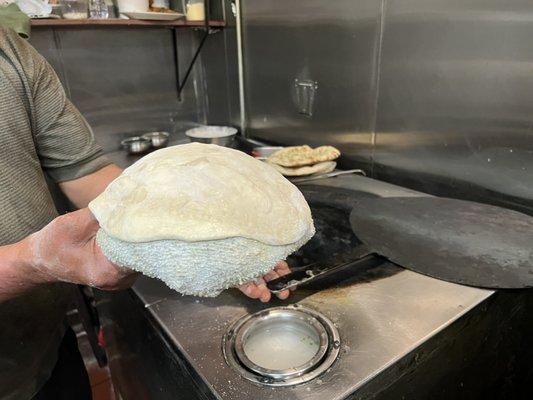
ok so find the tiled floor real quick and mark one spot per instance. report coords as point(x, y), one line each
point(100, 377)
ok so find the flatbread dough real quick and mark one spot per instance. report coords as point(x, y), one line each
point(297, 156)
point(201, 218)
point(196, 192)
point(320, 168)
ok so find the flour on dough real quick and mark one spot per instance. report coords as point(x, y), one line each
point(198, 192)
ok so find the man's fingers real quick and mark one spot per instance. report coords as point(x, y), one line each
point(282, 268)
point(246, 289)
point(265, 293)
point(271, 275)
point(258, 288)
point(251, 290)
point(279, 270)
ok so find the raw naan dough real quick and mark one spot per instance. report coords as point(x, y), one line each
point(297, 156)
point(201, 217)
point(198, 192)
point(320, 168)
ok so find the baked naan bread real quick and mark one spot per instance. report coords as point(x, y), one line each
point(201, 218)
point(298, 156)
point(320, 168)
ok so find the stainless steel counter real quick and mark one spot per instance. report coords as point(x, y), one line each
point(380, 321)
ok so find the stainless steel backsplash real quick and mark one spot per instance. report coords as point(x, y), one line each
point(123, 80)
point(435, 95)
point(432, 94)
point(328, 44)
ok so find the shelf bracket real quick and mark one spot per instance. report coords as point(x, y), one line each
point(207, 32)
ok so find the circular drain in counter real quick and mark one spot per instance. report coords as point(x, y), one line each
point(282, 346)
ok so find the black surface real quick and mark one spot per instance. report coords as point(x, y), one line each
point(90, 320)
point(340, 198)
point(326, 273)
point(485, 354)
point(454, 240)
point(334, 237)
point(144, 363)
point(334, 254)
point(69, 379)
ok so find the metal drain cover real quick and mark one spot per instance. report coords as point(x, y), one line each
point(282, 346)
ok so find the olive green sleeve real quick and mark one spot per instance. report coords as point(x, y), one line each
point(65, 143)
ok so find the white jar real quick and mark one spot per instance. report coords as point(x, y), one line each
point(159, 4)
point(195, 10)
point(125, 6)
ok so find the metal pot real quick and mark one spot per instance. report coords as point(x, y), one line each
point(220, 135)
point(158, 139)
point(136, 145)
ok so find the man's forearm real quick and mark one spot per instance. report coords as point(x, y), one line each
point(19, 271)
point(82, 190)
point(17, 274)
point(65, 250)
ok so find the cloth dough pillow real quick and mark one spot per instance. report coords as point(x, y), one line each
point(201, 218)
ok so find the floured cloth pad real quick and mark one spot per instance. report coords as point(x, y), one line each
point(320, 168)
point(201, 217)
point(298, 156)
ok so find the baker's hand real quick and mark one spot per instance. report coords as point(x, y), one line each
point(258, 289)
point(66, 250)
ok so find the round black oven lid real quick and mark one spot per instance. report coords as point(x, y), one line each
point(341, 198)
point(453, 240)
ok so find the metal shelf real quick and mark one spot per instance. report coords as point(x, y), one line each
point(120, 23)
point(208, 26)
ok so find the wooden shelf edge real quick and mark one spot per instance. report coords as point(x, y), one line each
point(117, 23)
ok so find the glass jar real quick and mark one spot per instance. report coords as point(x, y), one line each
point(195, 10)
point(74, 9)
point(126, 6)
point(98, 9)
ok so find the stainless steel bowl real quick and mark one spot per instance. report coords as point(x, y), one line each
point(136, 145)
point(158, 139)
point(220, 135)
